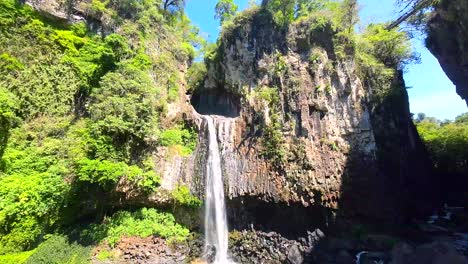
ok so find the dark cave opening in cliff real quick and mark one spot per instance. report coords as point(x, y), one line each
point(216, 102)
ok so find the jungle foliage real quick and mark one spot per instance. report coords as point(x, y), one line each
point(447, 142)
point(81, 111)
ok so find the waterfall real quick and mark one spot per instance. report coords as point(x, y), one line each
point(216, 230)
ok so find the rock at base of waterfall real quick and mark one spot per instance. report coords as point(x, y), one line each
point(295, 255)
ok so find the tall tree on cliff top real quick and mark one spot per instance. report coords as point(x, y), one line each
point(305, 7)
point(349, 14)
point(282, 10)
point(225, 10)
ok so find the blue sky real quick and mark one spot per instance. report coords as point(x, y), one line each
point(431, 91)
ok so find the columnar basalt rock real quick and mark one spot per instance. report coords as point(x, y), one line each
point(304, 127)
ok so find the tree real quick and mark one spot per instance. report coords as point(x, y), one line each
point(447, 144)
point(462, 119)
point(124, 105)
point(225, 10)
point(282, 10)
point(349, 14)
point(421, 117)
point(305, 7)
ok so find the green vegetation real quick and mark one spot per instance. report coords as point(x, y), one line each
point(282, 10)
point(380, 53)
point(182, 197)
point(81, 113)
point(273, 141)
point(225, 10)
point(57, 249)
point(446, 141)
point(16, 258)
point(343, 13)
point(142, 223)
point(183, 140)
point(105, 255)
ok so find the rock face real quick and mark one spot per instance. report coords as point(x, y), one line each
point(298, 129)
point(307, 130)
point(448, 42)
point(71, 11)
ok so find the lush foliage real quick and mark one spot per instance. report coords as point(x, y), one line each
point(142, 223)
point(81, 113)
point(344, 13)
point(181, 139)
point(16, 258)
point(225, 10)
point(57, 249)
point(282, 10)
point(447, 142)
point(379, 54)
point(272, 139)
point(182, 197)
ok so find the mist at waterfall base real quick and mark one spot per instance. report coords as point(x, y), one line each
point(216, 229)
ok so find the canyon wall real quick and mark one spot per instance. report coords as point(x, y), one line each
point(446, 39)
point(301, 132)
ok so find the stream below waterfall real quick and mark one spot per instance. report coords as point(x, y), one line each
point(216, 228)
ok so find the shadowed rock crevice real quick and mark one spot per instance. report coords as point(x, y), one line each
point(216, 102)
point(291, 220)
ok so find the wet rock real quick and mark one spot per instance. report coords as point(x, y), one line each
point(434, 253)
point(295, 255)
point(250, 246)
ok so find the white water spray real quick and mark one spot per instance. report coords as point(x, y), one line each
point(216, 230)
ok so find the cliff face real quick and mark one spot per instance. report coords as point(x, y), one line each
point(299, 129)
point(448, 42)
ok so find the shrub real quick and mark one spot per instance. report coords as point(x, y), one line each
point(57, 249)
point(282, 11)
point(124, 107)
point(183, 197)
point(184, 139)
point(16, 258)
point(107, 173)
point(30, 206)
point(379, 53)
point(273, 142)
point(447, 143)
point(141, 223)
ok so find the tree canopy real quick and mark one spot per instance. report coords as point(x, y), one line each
point(447, 141)
point(225, 10)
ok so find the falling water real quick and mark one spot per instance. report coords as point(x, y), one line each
point(216, 230)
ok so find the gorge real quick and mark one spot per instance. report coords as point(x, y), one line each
point(290, 141)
